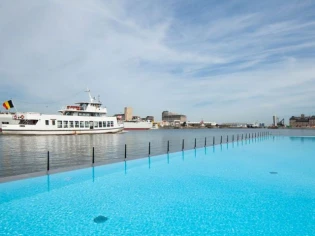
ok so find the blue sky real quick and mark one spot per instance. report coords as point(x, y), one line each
point(222, 61)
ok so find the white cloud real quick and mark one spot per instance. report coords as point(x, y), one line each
point(147, 56)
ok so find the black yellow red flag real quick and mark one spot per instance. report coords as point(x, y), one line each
point(8, 104)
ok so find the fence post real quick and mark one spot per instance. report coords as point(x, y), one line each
point(149, 148)
point(213, 140)
point(221, 140)
point(233, 138)
point(125, 151)
point(168, 146)
point(183, 145)
point(227, 138)
point(242, 136)
point(47, 160)
point(205, 141)
point(93, 155)
point(195, 143)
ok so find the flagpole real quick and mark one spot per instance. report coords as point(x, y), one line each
point(16, 111)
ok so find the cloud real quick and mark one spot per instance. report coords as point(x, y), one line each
point(224, 62)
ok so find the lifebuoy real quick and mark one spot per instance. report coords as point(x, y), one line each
point(22, 117)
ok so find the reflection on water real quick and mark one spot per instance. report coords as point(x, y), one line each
point(27, 154)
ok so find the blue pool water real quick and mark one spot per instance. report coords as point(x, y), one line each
point(264, 186)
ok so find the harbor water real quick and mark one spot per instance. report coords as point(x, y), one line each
point(29, 154)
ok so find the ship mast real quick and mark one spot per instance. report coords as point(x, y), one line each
point(88, 91)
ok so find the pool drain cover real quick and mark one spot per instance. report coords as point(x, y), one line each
point(273, 172)
point(100, 219)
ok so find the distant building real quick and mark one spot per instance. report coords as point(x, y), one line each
point(302, 121)
point(172, 117)
point(151, 118)
point(128, 113)
point(274, 121)
point(136, 118)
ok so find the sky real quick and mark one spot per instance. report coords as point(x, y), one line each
point(220, 61)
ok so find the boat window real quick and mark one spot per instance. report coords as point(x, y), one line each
point(70, 124)
point(47, 122)
point(53, 122)
point(108, 123)
point(100, 124)
point(81, 124)
point(112, 123)
point(87, 124)
point(83, 106)
point(77, 124)
point(5, 123)
point(65, 124)
point(28, 122)
point(95, 124)
point(59, 124)
point(104, 123)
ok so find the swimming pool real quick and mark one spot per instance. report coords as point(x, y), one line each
point(264, 186)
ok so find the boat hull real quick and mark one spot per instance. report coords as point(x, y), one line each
point(136, 128)
point(60, 132)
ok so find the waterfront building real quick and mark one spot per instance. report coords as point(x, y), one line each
point(151, 118)
point(302, 121)
point(171, 117)
point(128, 113)
point(274, 120)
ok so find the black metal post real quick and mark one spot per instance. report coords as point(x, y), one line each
point(48, 161)
point(168, 146)
point(125, 151)
point(195, 143)
point(183, 145)
point(205, 141)
point(93, 155)
point(213, 140)
point(221, 140)
point(227, 138)
point(149, 148)
point(233, 138)
point(242, 136)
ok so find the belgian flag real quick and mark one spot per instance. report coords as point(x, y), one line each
point(8, 104)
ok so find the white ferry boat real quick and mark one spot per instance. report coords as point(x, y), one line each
point(137, 125)
point(82, 118)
